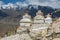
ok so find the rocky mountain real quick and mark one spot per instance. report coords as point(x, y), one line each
point(16, 14)
point(9, 18)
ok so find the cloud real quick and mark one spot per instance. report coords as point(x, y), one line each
point(52, 3)
point(22, 3)
point(1, 2)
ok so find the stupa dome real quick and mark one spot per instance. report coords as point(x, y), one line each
point(26, 18)
point(39, 15)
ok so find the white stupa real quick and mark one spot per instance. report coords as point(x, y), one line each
point(39, 18)
point(38, 25)
point(26, 21)
point(48, 19)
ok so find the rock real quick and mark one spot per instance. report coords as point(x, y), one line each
point(25, 37)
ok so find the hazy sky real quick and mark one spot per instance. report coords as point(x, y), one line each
point(52, 3)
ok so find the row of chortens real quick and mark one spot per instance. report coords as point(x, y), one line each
point(38, 28)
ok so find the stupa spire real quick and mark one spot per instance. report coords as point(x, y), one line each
point(48, 15)
point(39, 12)
point(39, 15)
